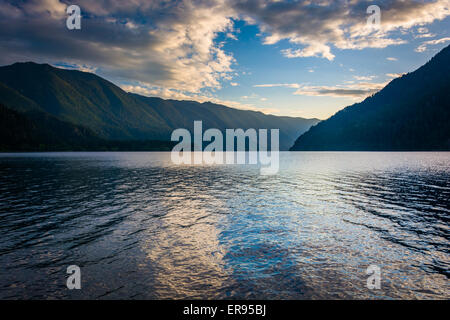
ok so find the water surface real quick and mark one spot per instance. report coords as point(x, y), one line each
point(142, 228)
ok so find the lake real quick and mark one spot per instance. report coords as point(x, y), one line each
point(140, 227)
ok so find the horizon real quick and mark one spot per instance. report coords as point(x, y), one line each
point(323, 57)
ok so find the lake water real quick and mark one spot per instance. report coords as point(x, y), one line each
point(140, 227)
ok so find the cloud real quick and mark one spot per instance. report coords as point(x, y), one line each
point(348, 90)
point(231, 36)
point(364, 78)
point(166, 43)
point(78, 67)
point(354, 91)
point(286, 85)
point(424, 33)
point(394, 75)
point(313, 27)
point(174, 44)
point(391, 59)
point(146, 90)
point(424, 46)
point(422, 30)
point(314, 50)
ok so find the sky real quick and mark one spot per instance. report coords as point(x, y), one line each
point(293, 58)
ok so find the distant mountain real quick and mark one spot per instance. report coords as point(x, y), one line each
point(87, 100)
point(39, 131)
point(412, 113)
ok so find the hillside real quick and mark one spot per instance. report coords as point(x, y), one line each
point(38, 131)
point(90, 101)
point(412, 113)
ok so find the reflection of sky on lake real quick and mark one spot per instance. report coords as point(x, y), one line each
point(141, 227)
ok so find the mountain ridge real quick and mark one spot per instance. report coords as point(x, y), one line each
point(412, 113)
point(88, 100)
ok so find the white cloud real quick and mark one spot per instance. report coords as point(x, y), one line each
point(394, 75)
point(424, 35)
point(176, 46)
point(79, 67)
point(424, 46)
point(313, 50)
point(347, 90)
point(355, 91)
point(313, 27)
point(286, 85)
point(364, 78)
point(145, 90)
point(231, 36)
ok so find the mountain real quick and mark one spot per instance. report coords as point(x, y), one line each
point(182, 114)
point(38, 131)
point(411, 113)
point(87, 100)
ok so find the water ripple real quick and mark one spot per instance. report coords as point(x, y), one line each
point(142, 228)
